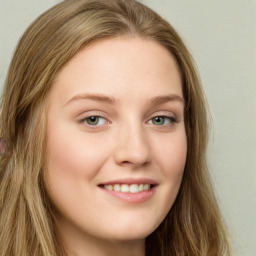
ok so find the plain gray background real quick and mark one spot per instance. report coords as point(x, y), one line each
point(221, 35)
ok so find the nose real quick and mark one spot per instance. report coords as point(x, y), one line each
point(132, 147)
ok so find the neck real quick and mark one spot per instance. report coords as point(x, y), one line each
point(105, 248)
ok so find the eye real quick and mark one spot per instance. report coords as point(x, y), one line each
point(95, 120)
point(162, 120)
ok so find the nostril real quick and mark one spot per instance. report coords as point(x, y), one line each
point(126, 162)
point(135, 164)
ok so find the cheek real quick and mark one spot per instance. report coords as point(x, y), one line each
point(177, 155)
point(72, 163)
point(172, 159)
point(173, 153)
point(71, 153)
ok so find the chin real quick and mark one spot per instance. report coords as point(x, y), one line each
point(133, 231)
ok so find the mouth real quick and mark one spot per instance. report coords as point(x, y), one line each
point(128, 188)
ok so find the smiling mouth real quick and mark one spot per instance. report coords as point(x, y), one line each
point(128, 188)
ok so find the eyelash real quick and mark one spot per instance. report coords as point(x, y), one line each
point(169, 119)
point(99, 118)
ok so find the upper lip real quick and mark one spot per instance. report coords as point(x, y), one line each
point(130, 181)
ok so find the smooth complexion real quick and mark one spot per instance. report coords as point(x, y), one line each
point(115, 118)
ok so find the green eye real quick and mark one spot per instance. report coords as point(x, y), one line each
point(162, 120)
point(95, 120)
point(92, 120)
point(158, 120)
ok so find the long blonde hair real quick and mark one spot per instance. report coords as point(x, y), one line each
point(193, 227)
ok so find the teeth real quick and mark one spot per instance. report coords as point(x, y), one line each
point(117, 187)
point(109, 187)
point(125, 188)
point(146, 187)
point(134, 188)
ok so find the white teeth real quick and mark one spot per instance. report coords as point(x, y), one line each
point(125, 188)
point(109, 187)
point(134, 188)
point(146, 187)
point(117, 187)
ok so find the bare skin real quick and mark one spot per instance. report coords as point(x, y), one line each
point(115, 122)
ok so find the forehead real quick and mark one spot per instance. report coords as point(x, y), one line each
point(123, 65)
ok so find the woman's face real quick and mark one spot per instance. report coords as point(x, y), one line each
point(116, 141)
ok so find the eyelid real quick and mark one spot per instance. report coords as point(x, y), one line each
point(101, 114)
point(86, 115)
point(98, 117)
point(171, 118)
point(163, 113)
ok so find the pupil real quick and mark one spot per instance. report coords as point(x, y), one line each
point(158, 120)
point(93, 119)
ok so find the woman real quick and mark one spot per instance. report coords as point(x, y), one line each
point(105, 123)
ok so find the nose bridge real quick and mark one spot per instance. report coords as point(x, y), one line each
point(132, 145)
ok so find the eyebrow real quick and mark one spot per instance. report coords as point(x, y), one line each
point(111, 100)
point(166, 98)
point(95, 97)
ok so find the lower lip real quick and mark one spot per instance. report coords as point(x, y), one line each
point(139, 197)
